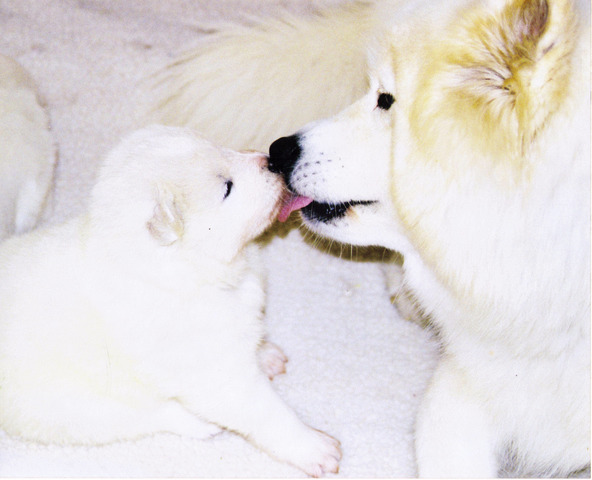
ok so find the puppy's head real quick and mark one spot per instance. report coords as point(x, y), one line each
point(165, 187)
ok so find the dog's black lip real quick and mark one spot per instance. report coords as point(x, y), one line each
point(325, 212)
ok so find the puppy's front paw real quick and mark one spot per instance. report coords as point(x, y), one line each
point(319, 455)
point(272, 360)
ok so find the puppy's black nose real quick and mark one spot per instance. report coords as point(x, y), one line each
point(283, 155)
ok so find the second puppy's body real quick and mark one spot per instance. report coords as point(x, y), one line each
point(27, 151)
point(145, 315)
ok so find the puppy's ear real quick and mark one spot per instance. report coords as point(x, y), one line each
point(167, 224)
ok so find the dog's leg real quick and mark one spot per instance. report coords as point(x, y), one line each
point(454, 437)
point(248, 405)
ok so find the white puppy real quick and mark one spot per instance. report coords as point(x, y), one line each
point(145, 314)
point(27, 151)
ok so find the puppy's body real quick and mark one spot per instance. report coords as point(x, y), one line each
point(105, 353)
point(27, 151)
point(145, 315)
point(470, 155)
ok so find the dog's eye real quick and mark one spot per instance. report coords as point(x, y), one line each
point(385, 101)
point(228, 185)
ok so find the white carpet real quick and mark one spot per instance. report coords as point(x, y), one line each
point(356, 369)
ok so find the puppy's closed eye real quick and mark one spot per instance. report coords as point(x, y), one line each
point(228, 188)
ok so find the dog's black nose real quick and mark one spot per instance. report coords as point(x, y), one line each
point(283, 154)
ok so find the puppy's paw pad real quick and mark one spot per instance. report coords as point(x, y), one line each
point(324, 455)
point(272, 360)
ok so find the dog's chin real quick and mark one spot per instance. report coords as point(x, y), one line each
point(346, 222)
point(340, 230)
point(361, 223)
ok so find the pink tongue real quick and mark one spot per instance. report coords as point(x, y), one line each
point(292, 203)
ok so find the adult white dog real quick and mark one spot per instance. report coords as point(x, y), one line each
point(145, 314)
point(27, 151)
point(469, 155)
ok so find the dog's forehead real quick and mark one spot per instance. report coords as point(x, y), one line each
point(397, 64)
point(382, 76)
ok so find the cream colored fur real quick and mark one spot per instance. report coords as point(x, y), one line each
point(27, 151)
point(305, 55)
point(144, 315)
point(479, 174)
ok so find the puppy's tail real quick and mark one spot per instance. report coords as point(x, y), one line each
point(247, 85)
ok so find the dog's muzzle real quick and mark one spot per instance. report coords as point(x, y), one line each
point(283, 155)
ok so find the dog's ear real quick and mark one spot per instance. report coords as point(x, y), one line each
point(523, 24)
point(167, 224)
point(532, 36)
point(537, 38)
point(505, 73)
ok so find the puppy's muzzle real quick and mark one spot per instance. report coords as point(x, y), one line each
point(283, 155)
